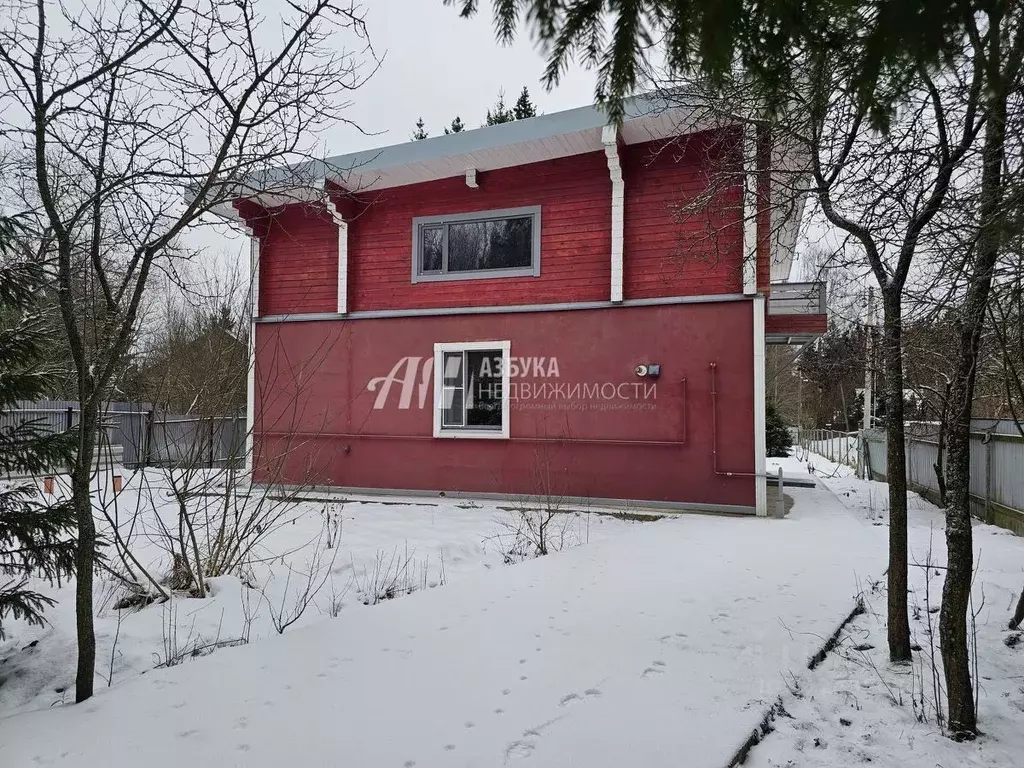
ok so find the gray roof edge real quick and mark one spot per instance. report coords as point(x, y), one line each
point(468, 141)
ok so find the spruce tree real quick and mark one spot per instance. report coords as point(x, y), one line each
point(778, 439)
point(524, 107)
point(421, 131)
point(457, 126)
point(36, 538)
point(500, 113)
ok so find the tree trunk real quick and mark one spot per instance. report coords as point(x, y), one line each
point(1018, 615)
point(896, 470)
point(956, 590)
point(81, 476)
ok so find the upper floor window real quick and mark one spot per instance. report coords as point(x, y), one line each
point(473, 245)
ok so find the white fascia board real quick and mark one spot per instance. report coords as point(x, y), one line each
point(610, 139)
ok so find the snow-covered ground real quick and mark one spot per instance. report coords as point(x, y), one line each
point(856, 708)
point(662, 645)
point(658, 643)
point(383, 544)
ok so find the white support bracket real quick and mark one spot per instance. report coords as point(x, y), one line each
point(610, 139)
point(471, 181)
point(749, 210)
point(342, 225)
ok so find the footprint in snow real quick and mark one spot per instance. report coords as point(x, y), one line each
point(656, 668)
point(519, 748)
point(573, 698)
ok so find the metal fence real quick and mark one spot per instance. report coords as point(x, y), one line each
point(839, 447)
point(136, 434)
point(997, 467)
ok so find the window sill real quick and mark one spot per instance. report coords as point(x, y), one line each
point(481, 274)
point(474, 434)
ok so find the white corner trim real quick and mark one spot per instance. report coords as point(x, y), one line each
point(760, 443)
point(471, 178)
point(250, 403)
point(749, 210)
point(254, 313)
point(342, 226)
point(461, 346)
point(610, 139)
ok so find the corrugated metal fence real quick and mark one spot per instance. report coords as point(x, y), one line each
point(135, 434)
point(997, 467)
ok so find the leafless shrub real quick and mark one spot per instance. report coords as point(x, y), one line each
point(542, 522)
point(175, 650)
point(331, 513)
point(336, 600)
point(394, 575)
point(293, 603)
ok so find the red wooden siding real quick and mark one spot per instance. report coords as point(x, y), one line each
point(795, 324)
point(670, 255)
point(665, 254)
point(298, 262)
point(574, 194)
point(316, 420)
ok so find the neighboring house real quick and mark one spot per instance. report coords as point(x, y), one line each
point(520, 310)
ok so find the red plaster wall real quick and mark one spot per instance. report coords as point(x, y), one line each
point(316, 421)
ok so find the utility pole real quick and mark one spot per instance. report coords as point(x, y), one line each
point(869, 400)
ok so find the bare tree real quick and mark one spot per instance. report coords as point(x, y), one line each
point(114, 111)
point(880, 189)
point(997, 40)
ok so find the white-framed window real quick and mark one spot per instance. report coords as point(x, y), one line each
point(466, 246)
point(471, 388)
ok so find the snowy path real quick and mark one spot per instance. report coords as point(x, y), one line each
point(661, 646)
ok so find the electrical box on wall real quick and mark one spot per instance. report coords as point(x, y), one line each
point(648, 370)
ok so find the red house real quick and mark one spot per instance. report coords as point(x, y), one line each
point(548, 307)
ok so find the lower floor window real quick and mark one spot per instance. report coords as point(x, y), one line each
point(471, 389)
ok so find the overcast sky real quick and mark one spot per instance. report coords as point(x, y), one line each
point(438, 65)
